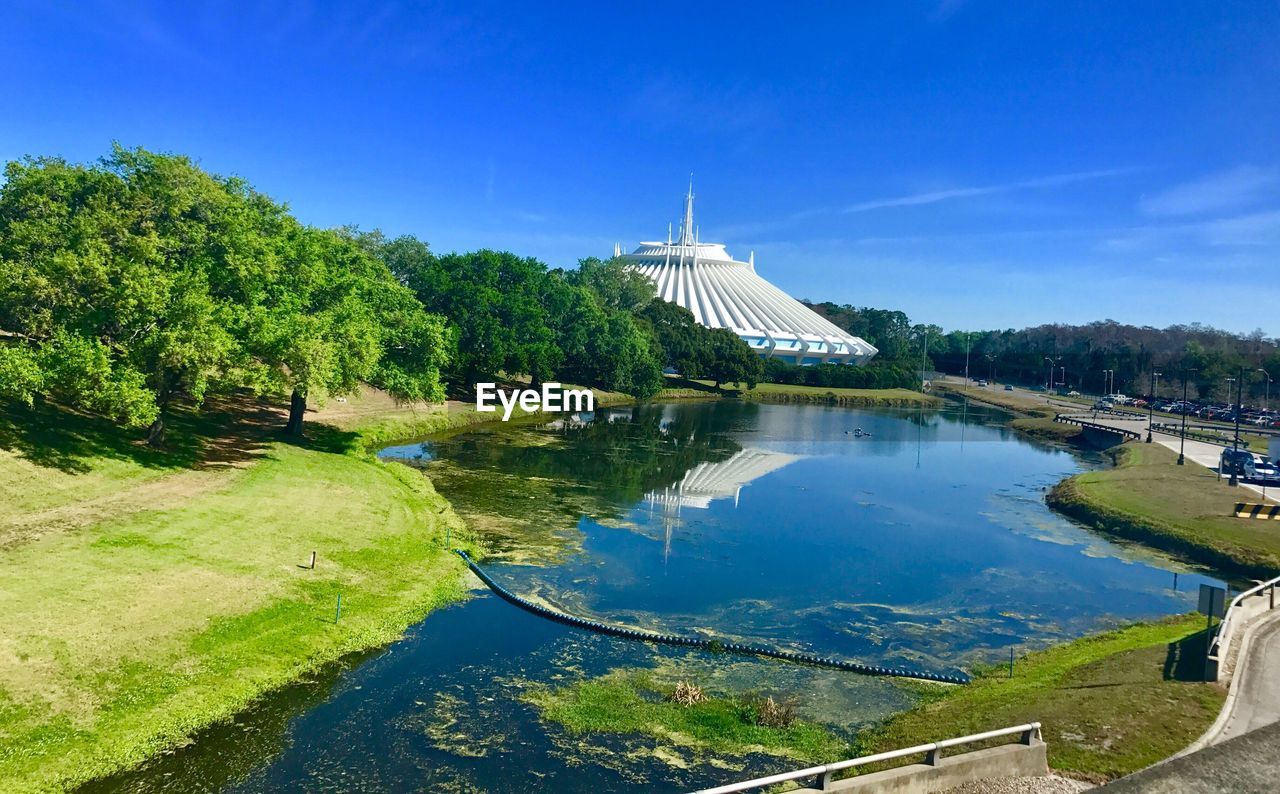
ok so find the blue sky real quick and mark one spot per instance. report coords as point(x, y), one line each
point(977, 164)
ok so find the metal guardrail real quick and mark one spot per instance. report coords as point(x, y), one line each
point(1081, 422)
point(1171, 429)
point(932, 752)
point(1220, 645)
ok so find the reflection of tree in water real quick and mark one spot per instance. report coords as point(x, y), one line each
point(525, 488)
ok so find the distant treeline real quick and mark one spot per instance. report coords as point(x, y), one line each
point(1078, 354)
point(141, 281)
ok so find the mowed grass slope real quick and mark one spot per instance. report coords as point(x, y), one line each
point(173, 591)
point(1109, 704)
point(1185, 509)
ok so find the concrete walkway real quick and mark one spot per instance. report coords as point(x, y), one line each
point(1242, 765)
point(1257, 702)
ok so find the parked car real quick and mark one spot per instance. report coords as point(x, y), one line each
point(1008, 387)
point(982, 383)
point(1239, 462)
point(1103, 405)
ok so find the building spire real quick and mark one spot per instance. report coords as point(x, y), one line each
point(686, 228)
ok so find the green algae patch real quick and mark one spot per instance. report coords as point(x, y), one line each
point(634, 702)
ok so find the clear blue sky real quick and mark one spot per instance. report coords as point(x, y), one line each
point(977, 164)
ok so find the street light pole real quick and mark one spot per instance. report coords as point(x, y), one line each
point(1235, 444)
point(1053, 364)
point(924, 354)
point(1182, 446)
point(1151, 404)
point(1266, 401)
point(966, 360)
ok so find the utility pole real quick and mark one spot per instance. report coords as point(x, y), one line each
point(1151, 404)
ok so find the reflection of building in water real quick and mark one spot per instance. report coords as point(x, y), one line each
point(572, 421)
point(707, 482)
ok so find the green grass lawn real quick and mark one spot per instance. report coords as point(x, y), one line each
point(160, 592)
point(1184, 509)
point(1109, 704)
point(632, 702)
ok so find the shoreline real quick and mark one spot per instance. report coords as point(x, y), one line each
point(348, 437)
point(438, 420)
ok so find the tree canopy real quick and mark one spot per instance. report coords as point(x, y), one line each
point(142, 279)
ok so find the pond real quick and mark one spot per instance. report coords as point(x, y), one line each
point(904, 538)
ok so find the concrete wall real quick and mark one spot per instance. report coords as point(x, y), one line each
point(1010, 760)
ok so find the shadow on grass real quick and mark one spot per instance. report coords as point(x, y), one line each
point(322, 438)
point(221, 434)
point(1185, 658)
point(679, 382)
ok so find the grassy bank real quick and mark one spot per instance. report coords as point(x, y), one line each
point(1184, 509)
point(857, 398)
point(148, 594)
point(1031, 417)
point(633, 702)
point(1110, 703)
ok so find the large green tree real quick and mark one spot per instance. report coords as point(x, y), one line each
point(686, 345)
point(140, 280)
point(731, 360)
point(130, 282)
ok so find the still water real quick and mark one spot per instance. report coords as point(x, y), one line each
point(900, 538)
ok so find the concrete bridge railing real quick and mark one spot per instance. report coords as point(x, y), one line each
point(938, 772)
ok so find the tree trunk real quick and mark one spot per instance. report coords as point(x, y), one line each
point(155, 433)
point(297, 411)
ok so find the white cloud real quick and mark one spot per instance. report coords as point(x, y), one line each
point(935, 196)
point(1223, 190)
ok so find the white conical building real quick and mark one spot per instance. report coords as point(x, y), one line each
point(725, 293)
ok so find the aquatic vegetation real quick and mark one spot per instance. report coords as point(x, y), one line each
point(628, 701)
point(771, 713)
point(687, 694)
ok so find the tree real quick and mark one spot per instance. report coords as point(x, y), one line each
point(686, 345)
point(495, 299)
point(339, 318)
point(130, 281)
point(142, 279)
point(627, 357)
point(618, 287)
point(732, 361)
